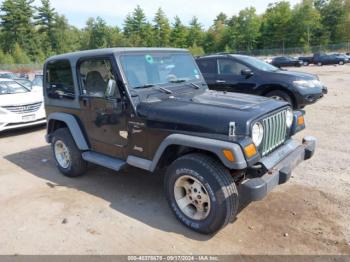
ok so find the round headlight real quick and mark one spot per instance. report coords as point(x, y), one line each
point(257, 133)
point(289, 118)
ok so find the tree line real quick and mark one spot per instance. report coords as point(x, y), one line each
point(30, 34)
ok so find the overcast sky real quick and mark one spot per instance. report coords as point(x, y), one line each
point(114, 11)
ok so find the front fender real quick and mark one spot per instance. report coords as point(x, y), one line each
point(211, 145)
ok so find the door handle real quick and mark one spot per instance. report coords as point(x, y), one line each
point(220, 81)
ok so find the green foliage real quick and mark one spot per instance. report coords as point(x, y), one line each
point(196, 50)
point(275, 21)
point(161, 29)
point(305, 25)
point(6, 59)
point(178, 35)
point(137, 29)
point(19, 55)
point(195, 33)
point(30, 34)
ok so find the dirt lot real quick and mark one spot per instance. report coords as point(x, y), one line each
point(103, 212)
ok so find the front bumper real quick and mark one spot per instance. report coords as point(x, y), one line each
point(279, 166)
point(10, 120)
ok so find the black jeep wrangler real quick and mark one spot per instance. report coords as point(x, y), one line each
point(151, 109)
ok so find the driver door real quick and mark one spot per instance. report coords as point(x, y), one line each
point(231, 79)
point(104, 112)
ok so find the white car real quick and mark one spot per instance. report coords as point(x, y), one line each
point(19, 106)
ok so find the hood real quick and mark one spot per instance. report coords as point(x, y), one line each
point(294, 75)
point(208, 112)
point(20, 99)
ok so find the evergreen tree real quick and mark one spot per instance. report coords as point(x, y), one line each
point(305, 25)
point(275, 24)
point(46, 22)
point(217, 36)
point(97, 34)
point(178, 35)
point(17, 26)
point(137, 29)
point(248, 30)
point(195, 33)
point(19, 56)
point(161, 29)
point(333, 18)
point(6, 59)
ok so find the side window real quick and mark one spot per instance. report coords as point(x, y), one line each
point(95, 77)
point(230, 67)
point(207, 66)
point(59, 80)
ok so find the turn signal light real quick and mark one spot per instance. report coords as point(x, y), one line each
point(229, 155)
point(250, 150)
point(301, 120)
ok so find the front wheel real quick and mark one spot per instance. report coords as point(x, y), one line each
point(67, 155)
point(319, 64)
point(341, 62)
point(201, 193)
point(281, 96)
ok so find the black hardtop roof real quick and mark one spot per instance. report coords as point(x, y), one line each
point(109, 51)
point(222, 55)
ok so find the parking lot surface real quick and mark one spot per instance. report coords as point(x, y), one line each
point(105, 212)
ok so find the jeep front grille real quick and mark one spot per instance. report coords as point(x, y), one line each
point(275, 132)
point(23, 109)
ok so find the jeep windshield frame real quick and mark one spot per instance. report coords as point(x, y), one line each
point(158, 70)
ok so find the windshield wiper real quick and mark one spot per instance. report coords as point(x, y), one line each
point(177, 81)
point(195, 85)
point(183, 81)
point(144, 86)
point(167, 91)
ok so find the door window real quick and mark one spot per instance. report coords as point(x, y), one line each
point(95, 76)
point(59, 80)
point(230, 67)
point(207, 66)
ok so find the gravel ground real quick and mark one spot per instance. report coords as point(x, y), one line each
point(103, 212)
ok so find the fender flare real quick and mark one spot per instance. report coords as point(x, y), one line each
point(73, 127)
point(211, 145)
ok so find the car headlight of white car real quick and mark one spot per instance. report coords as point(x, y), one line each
point(307, 83)
point(257, 133)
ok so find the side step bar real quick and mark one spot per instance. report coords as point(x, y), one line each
point(103, 160)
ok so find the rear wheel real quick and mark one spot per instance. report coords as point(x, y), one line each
point(341, 62)
point(67, 155)
point(281, 96)
point(319, 63)
point(201, 193)
point(305, 63)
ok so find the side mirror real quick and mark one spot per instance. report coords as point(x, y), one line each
point(111, 87)
point(247, 72)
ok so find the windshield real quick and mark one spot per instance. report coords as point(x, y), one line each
point(26, 83)
point(157, 68)
point(11, 87)
point(38, 81)
point(259, 64)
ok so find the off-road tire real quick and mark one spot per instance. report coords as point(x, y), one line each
point(281, 95)
point(216, 180)
point(78, 165)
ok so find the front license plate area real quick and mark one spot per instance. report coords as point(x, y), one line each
point(28, 118)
